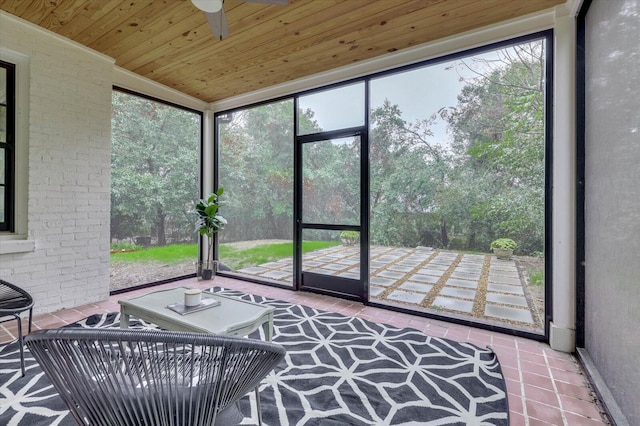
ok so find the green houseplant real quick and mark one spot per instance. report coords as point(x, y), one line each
point(209, 222)
point(503, 248)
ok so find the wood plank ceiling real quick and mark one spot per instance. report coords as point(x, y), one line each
point(170, 42)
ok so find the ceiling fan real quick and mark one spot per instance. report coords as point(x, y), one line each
point(214, 12)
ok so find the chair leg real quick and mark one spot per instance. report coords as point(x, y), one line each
point(30, 319)
point(258, 406)
point(21, 343)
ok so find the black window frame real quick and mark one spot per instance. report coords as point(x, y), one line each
point(8, 225)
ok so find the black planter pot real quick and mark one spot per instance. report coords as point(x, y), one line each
point(207, 274)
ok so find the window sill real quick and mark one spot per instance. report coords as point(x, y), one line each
point(16, 246)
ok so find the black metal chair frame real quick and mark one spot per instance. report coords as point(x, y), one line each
point(13, 302)
point(124, 377)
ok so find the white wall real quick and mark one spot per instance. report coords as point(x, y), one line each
point(67, 127)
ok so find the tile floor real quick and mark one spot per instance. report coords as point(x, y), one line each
point(545, 387)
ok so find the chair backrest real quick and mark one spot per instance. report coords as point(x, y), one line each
point(13, 299)
point(144, 377)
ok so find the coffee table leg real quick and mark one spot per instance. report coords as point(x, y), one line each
point(267, 326)
point(124, 318)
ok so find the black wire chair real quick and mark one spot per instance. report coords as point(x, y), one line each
point(129, 377)
point(13, 302)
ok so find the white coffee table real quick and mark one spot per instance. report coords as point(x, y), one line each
point(233, 317)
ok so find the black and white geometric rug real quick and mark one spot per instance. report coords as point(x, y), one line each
point(339, 371)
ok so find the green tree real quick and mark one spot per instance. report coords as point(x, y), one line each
point(154, 178)
point(498, 142)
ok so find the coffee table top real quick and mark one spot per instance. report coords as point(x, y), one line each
point(233, 317)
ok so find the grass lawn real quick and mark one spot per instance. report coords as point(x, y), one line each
point(232, 257)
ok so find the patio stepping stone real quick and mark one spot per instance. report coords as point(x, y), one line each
point(409, 263)
point(466, 270)
point(325, 259)
point(503, 274)
point(271, 265)
point(414, 286)
point(375, 291)
point(511, 314)
point(424, 278)
point(505, 280)
point(350, 275)
point(465, 275)
point(276, 275)
point(506, 299)
point(405, 296)
point(473, 257)
point(457, 292)
point(438, 266)
point(503, 288)
point(252, 270)
point(461, 283)
point(385, 282)
point(310, 263)
point(391, 274)
point(347, 262)
point(399, 268)
point(335, 266)
point(442, 302)
point(430, 271)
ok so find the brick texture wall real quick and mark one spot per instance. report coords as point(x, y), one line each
point(68, 170)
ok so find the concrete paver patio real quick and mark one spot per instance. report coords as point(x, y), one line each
point(466, 285)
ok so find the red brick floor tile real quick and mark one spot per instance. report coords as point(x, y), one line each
point(535, 368)
point(579, 406)
point(515, 403)
point(543, 412)
point(580, 392)
point(516, 419)
point(563, 364)
point(578, 420)
point(532, 357)
point(537, 380)
point(567, 377)
point(534, 393)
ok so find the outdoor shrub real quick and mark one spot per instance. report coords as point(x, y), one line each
point(504, 244)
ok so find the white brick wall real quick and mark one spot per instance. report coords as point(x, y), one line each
point(68, 170)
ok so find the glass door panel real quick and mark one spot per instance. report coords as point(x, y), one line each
point(331, 181)
point(329, 228)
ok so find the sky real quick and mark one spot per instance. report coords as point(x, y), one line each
point(419, 93)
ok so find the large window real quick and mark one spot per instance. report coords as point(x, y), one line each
point(255, 151)
point(154, 185)
point(411, 174)
point(457, 162)
point(7, 144)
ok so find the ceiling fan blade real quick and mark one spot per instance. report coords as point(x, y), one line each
point(276, 2)
point(218, 24)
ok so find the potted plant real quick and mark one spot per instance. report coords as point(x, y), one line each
point(349, 238)
point(503, 248)
point(209, 222)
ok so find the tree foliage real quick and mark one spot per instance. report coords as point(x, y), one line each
point(154, 178)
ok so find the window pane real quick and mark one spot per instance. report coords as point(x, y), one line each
point(458, 161)
point(255, 148)
point(154, 184)
point(333, 253)
point(2, 216)
point(3, 166)
point(333, 109)
point(331, 183)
